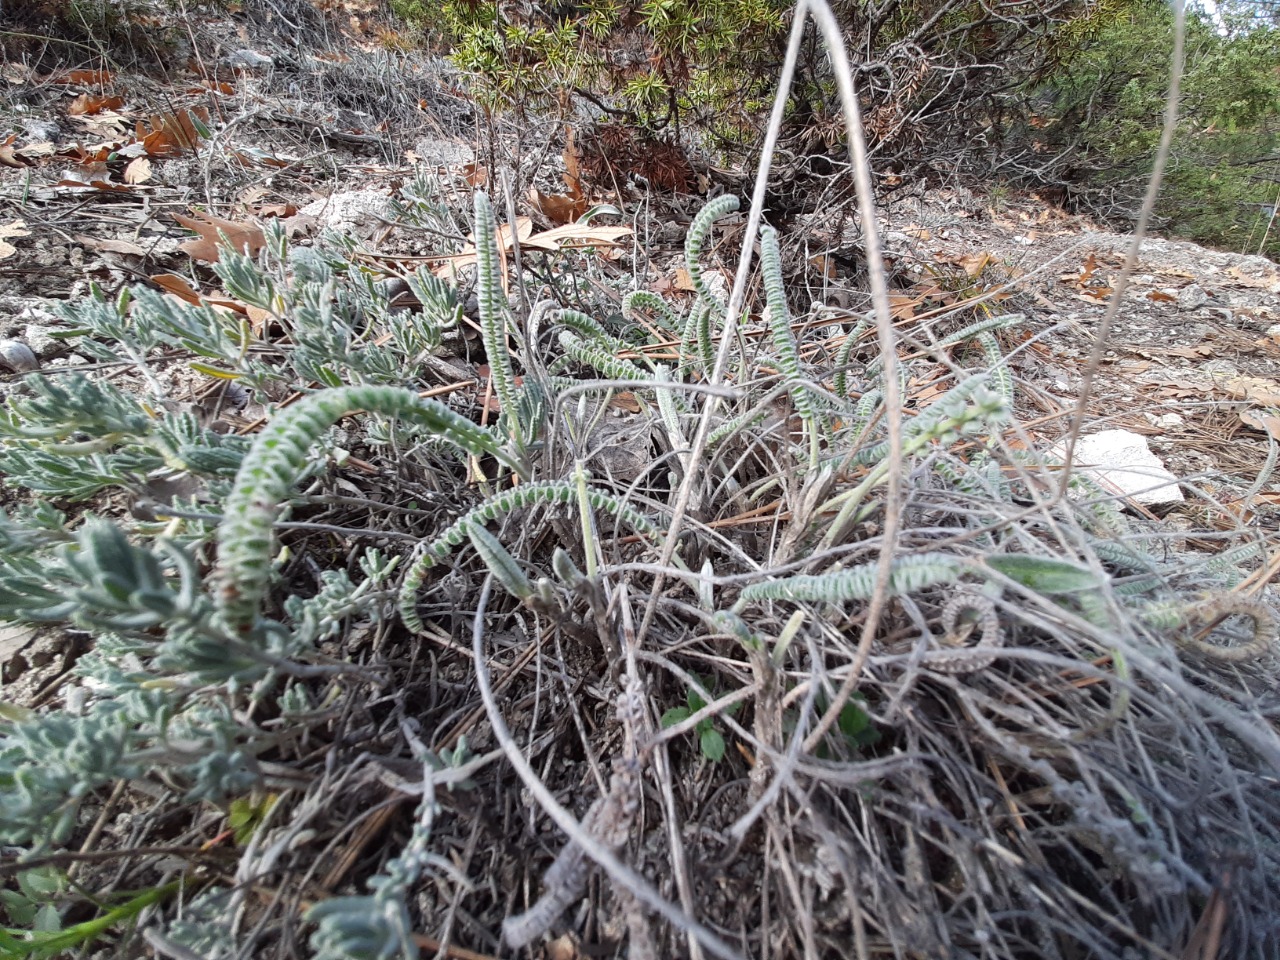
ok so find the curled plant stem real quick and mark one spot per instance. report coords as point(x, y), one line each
point(493, 317)
point(273, 464)
point(697, 235)
point(985, 622)
point(954, 418)
point(1265, 629)
point(525, 495)
point(784, 342)
point(643, 299)
point(841, 380)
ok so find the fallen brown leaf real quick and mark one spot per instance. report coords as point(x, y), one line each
point(125, 247)
point(172, 134)
point(1267, 421)
point(825, 265)
point(14, 228)
point(94, 77)
point(138, 171)
point(974, 263)
point(176, 285)
point(476, 175)
point(626, 401)
point(1270, 282)
point(215, 86)
point(1094, 295)
point(8, 155)
point(572, 173)
point(570, 235)
point(97, 183)
point(36, 151)
point(1198, 352)
point(87, 104)
point(558, 207)
point(902, 306)
point(1266, 392)
point(258, 320)
point(576, 235)
point(246, 238)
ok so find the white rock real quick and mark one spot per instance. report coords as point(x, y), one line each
point(17, 356)
point(440, 152)
point(1122, 463)
point(1192, 297)
point(346, 211)
point(39, 339)
point(247, 59)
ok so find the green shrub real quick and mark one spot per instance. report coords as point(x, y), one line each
point(1099, 117)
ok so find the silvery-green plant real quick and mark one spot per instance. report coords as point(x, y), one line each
point(784, 341)
point(493, 317)
point(277, 458)
point(526, 495)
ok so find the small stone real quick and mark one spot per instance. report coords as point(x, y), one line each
point(245, 59)
point(38, 338)
point(17, 356)
point(1220, 370)
point(1192, 297)
point(349, 211)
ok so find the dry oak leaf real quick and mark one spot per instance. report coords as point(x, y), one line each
point(570, 235)
point(576, 235)
point(173, 134)
point(93, 176)
point(14, 228)
point(558, 207)
point(8, 155)
point(1267, 421)
point(86, 104)
point(125, 247)
point(176, 286)
point(1270, 283)
point(34, 151)
point(247, 238)
point(1266, 392)
point(138, 171)
point(1196, 352)
point(88, 77)
point(902, 306)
